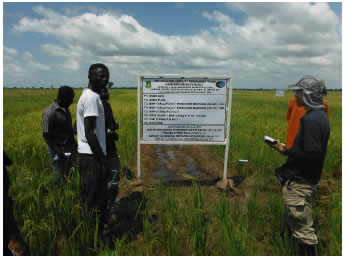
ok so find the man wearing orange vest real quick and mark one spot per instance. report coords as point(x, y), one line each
point(293, 116)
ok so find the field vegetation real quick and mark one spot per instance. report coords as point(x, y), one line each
point(189, 220)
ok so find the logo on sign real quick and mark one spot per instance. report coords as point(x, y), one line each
point(220, 84)
point(148, 84)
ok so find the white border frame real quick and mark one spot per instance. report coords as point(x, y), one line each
point(139, 120)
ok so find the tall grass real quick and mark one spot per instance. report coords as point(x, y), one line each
point(170, 224)
point(234, 224)
point(334, 208)
point(197, 222)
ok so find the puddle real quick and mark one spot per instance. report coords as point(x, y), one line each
point(163, 172)
point(192, 167)
point(175, 166)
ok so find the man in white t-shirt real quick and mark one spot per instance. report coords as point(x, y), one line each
point(92, 153)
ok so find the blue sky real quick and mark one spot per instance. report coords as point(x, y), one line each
point(264, 45)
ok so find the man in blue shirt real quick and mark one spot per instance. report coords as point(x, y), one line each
point(303, 168)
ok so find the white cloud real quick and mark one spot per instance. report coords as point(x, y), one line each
point(10, 51)
point(275, 39)
point(27, 55)
point(69, 66)
point(54, 50)
point(37, 67)
point(20, 70)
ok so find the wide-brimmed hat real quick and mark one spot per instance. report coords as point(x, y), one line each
point(313, 91)
point(310, 84)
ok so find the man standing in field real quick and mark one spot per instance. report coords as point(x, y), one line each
point(58, 133)
point(92, 153)
point(303, 168)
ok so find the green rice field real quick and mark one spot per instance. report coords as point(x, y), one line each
point(188, 221)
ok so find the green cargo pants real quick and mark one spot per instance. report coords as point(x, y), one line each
point(298, 199)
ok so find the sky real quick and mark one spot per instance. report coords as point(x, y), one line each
point(264, 45)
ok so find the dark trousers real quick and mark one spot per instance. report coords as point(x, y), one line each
point(113, 177)
point(93, 187)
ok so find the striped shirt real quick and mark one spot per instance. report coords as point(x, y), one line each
point(57, 121)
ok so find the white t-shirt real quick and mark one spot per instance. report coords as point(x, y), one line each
point(89, 104)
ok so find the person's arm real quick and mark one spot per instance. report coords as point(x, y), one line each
point(312, 143)
point(109, 117)
point(294, 152)
point(309, 155)
point(48, 126)
point(90, 126)
point(52, 143)
point(111, 124)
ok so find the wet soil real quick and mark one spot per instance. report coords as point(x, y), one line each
point(180, 166)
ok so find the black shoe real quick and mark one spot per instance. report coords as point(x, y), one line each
point(306, 250)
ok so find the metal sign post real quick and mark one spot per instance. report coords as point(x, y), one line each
point(183, 110)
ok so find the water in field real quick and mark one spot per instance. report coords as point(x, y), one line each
point(176, 167)
point(163, 172)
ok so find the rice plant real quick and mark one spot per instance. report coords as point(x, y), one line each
point(197, 222)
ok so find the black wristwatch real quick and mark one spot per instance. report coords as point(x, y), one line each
point(284, 151)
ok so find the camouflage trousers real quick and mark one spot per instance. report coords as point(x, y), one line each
point(298, 199)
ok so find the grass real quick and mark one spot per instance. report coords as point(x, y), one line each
point(187, 222)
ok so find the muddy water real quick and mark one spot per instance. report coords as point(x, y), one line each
point(176, 167)
point(163, 172)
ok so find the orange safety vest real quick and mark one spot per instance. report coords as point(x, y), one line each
point(293, 116)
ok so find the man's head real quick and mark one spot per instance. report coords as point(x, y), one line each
point(98, 76)
point(65, 96)
point(309, 92)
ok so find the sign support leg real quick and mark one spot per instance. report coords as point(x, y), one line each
point(228, 128)
point(139, 128)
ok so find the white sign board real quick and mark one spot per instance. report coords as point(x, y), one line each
point(184, 109)
point(280, 93)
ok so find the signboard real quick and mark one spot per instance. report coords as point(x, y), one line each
point(184, 109)
point(280, 93)
point(177, 110)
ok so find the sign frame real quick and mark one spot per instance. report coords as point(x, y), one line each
point(228, 104)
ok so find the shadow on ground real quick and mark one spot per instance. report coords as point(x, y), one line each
point(187, 183)
point(125, 217)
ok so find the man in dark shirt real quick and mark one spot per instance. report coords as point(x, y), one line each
point(303, 168)
point(112, 156)
point(13, 243)
point(58, 133)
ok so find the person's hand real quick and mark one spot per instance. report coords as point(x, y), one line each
point(115, 136)
point(61, 155)
point(18, 246)
point(278, 146)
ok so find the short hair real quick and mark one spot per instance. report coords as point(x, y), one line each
point(65, 91)
point(95, 66)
